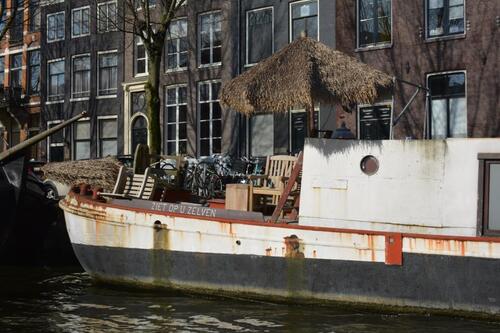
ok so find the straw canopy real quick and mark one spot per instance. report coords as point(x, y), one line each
point(304, 72)
point(98, 173)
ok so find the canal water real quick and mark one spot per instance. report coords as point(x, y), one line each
point(46, 300)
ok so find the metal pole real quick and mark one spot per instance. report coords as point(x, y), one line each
point(39, 137)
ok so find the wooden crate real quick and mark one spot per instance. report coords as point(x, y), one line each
point(238, 196)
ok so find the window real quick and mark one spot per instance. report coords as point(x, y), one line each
point(35, 16)
point(375, 122)
point(81, 76)
point(210, 39)
point(17, 27)
point(374, 22)
point(298, 128)
point(177, 45)
point(80, 22)
point(262, 134)
point(34, 72)
point(108, 134)
point(489, 194)
point(15, 71)
point(138, 3)
point(56, 80)
point(106, 16)
point(81, 139)
point(55, 27)
point(108, 73)
point(176, 119)
point(141, 58)
point(304, 19)
point(55, 143)
point(138, 102)
point(445, 17)
point(260, 35)
point(139, 131)
point(448, 107)
point(2, 70)
point(210, 118)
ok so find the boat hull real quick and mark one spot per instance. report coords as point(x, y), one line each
point(127, 246)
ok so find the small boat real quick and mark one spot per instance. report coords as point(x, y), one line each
point(381, 223)
point(27, 205)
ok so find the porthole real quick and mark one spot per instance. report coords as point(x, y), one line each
point(369, 165)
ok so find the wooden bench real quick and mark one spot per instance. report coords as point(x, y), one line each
point(266, 189)
point(130, 185)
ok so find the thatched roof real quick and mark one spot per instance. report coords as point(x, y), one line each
point(305, 69)
point(98, 173)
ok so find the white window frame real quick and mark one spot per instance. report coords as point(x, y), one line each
point(177, 69)
point(29, 72)
point(100, 13)
point(64, 27)
point(290, 18)
point(139, 42)
point(381, 45)
point(386, 102)
point(211, 64)
point(429, 114)
point(449, 36)
point(81, 9)
point(247, 63)
point(80, 98)
point(58, 144)
point(177, 112)
point(73, 135)
point(99, 119)
point(55, 101)
point(99, 96)
point(210, 120)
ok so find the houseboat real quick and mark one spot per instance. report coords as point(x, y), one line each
point(387, 223)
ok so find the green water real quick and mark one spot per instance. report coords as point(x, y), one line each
point(45, 300)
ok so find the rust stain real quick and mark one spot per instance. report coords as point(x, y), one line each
point(294, 247)
point(268, 251)
point(371, 246)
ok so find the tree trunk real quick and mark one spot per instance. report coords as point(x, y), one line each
point(152, 88)
point(311, 129)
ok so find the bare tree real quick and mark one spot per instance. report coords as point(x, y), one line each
point(149, 20)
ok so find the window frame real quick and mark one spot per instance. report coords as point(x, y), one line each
point(247, 57)
point(83, 95)
point(99, 94)
point(99, 139)
point(64, 27)
point(444, 35)
point(429, 121)
point(30, 73)
point(485, 160)
point(2, 70)
point(211, 64)
point(50, 100)
point(376, 45)
point(74, 141)
point(18, 70)
point(81, 9)
point(290, 18)
point(211, 101)
point(177, 54)
point(139, 42)
point(109, 22)
point(177, 122)
point(56, 144)
point(385, 102)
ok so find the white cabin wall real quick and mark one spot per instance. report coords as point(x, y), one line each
point(421, 186)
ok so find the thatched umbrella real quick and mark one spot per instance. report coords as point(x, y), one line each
point(304, 72)
point(99, 173)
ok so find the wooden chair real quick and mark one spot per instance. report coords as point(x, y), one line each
point(130, 185)
point(269, 186)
